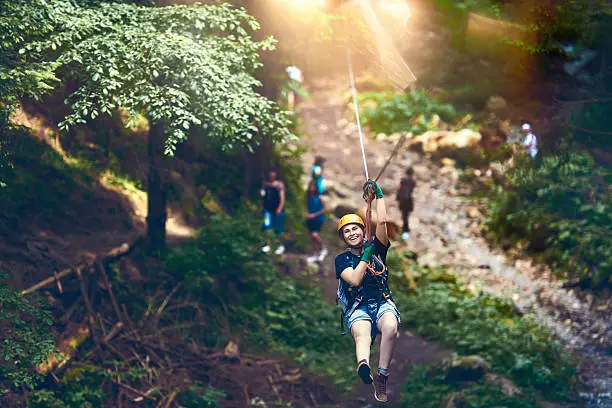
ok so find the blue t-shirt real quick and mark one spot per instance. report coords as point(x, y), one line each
point(315, 205)
point(370, 284)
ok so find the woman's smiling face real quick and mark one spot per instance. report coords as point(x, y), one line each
point(353, 234)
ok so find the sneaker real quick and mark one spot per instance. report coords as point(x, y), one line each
point(280, 250)
point(266, 249)
point(312, 259)
point(323, 254)
point(363, 371)
point(405, 235)
point(380, 388)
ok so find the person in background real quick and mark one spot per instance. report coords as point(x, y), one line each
point(405, 201)
point(530, 141)
point(317, 173)
point(315, 217)
point(295, 75)
point(273, 198)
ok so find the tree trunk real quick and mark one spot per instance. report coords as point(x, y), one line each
point(156, 189)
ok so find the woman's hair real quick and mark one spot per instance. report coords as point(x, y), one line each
point(272, 170)
point(409, 171)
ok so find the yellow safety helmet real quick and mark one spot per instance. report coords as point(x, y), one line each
point(349, 219)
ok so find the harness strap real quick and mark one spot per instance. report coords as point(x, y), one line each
point(348, 314)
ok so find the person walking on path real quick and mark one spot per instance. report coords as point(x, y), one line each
point(317, 173)
point(405, 200)
point(364, 294)
point(315, 217)
point(273, 197)
point(530, 142)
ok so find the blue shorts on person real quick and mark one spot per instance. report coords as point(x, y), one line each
point(271, 220)
point(315, 224)
point(372, 311)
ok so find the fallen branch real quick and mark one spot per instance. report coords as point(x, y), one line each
point(114, 331)
point(113, 254)
point(110, 290)
point(90, 313)
point(274, 387)
point(134, 390)
point(67, 349)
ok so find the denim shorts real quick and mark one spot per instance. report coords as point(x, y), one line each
point(271, 220)
point(367, 311)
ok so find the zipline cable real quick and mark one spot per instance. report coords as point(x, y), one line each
point(356, 108)
point(399, 143)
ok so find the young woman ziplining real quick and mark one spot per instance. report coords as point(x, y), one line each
point(363, 290)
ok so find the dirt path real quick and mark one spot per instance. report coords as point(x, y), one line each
point(445, 230)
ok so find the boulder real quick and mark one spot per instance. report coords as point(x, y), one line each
point(465, 368)
point(462, 145)
point(507, 386)
point(498, 106)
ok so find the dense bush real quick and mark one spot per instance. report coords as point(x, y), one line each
point(561, 206)
point(26, 340)
point(414, 111)
point(444, 310)
point(582, 22)
point(225, 269)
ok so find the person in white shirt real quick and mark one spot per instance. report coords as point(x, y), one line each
point(295, 75)
point(530, 142)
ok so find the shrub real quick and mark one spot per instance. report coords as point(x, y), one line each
point(227, 271)
point(413, 111)
point(442, 309)
point(25, 337)
point(561, 206)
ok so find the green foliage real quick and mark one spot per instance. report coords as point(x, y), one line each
point(413, 111)
point(563, 206)
point(79, 388)
point(446, 311)
point(549, 23)
point(590, 121)
point(5, 131)
point(199, 397)
point(225, 269)
point(183, 66)
point(426, 388)
point(33, 164)
point(25, 337)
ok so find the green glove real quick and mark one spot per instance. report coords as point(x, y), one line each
point(368, 251)
point(379, 193)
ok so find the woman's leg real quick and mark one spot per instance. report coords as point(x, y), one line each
point(387, 325)
point(313, 243)
point(318, 242)
point(361, 330)
point(405, 225)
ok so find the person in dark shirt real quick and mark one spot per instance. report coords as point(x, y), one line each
point(273, 199)
point(405, 201)
point(364, 294)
